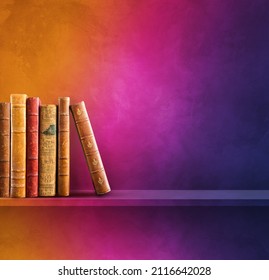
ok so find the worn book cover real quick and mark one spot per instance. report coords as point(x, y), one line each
point(90, 148)
point(47, 150)
point(63, 174)
point(4, 149)
point(18, 145)
point(32, 135)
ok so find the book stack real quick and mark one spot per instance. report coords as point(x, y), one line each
point(35, 148)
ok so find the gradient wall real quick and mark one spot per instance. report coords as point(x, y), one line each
point(177, 92)
point(134, 233)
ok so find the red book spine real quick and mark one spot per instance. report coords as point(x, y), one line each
point(32, 133)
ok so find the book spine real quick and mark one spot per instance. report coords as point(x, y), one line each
point(32, 134)
point(90, 148)
point(47, 149)
point(63, 174)
point(18, 145)
point(4, 149)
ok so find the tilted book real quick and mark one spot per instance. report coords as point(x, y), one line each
point(63, 174)
point(18, 145)
point(32, 134)
point(4, 149)
point(47, 150)
point(90, 148)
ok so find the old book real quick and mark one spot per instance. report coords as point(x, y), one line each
point(90, 148)
point(47, 150)
point(63, 174)
point(18, 145)
point(32, 134)
point(4, 149)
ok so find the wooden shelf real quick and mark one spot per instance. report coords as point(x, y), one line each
point(150, 198)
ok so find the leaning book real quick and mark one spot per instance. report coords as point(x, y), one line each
point(90, 148)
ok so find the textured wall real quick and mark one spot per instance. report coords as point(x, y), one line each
point(177, 90)
point(134, 233)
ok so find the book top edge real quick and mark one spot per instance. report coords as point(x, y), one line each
point(32, 98)
point(17, 95)
point(18, 98)
point(77, 104)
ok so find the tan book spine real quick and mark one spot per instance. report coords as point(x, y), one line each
point(4, 149)
point(90, 148)
point(63, 174)
point(18, 145)
point(47, 150)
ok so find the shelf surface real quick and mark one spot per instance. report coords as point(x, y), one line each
point(150, 198)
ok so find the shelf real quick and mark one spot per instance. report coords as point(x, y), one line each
point(150, 198)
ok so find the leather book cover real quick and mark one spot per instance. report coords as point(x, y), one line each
point(63, 174)
point(18, 145)
point(47, 150)
point(32, 134)
point(90, 148)
point(4, 149)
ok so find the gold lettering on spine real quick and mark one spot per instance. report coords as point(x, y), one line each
point(100, 181)
point(79, 112)
point(89, 144)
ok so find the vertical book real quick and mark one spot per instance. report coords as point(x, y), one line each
point(63, 174)
point(4, 149)
point(32, 128)
point(48, 150)
point(90, 148)
point(18, 145)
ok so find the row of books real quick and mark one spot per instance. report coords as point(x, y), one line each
point(35, 147)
